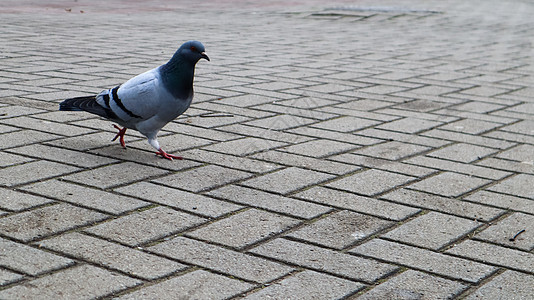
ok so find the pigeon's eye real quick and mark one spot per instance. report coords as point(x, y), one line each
point(193, 48)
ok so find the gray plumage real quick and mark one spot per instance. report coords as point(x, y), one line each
point(150, 100)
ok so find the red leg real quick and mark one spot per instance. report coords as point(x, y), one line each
point(120, 135)
point(167, 155)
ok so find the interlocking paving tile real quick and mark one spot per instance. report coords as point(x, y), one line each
point(141, 227)
point(433, 230)
point(415, 285)
point(493, 254)
point(29, 260)
point(519, 185)
point(281, 122)
point(111, 255)
point(231, 232)
point(502, 201)
point(287, 180)
point(409, 125)
point(510, 284)
point(504, 231)
point(319, 148)
point(425, 260)
point(324, 260)
point(383, 164)
point(346, 124)
point(66, 156)
point(522, 153)
point(462, 152)
point(198, 284)
point(84, 196)
point(340, 229)
point(392, 150)
point(471, 126)
point(41, 222)
point(47, 126)
point(79, 282)
point(358, 203)
point(33, 171)
point(8, 159)
point(444, 204)
point(449, 184)
point(113, 175)
point(187, 201)
point(7, 277)
point(221, 259)
point(17, 201)
point(308, 285)
point(203, 178)
point(243, 147)
point(371, 182)
point(268, 201)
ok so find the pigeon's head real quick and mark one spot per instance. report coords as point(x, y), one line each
point(193, 51)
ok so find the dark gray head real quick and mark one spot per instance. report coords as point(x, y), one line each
point(192, 51)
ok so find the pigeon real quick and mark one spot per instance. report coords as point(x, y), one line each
point(148, 101)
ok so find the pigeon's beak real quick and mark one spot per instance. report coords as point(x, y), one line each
point(203, 55)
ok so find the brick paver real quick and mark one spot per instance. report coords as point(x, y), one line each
point(332, 150)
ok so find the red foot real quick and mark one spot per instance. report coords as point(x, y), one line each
point(167, 155)
point(120, 135)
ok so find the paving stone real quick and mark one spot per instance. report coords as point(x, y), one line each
point(519, 185)
point(383, 164)
point(508, 285)
point(265, 133)
point(340, 229)
point(468, 139)
point(287, 180)
point(522, 127)
point(246, 164)
point(281, 122)
point(471, 126)
point(493, 254)
point(319, 148)
point(17, 110)
point(7, 277)
point(268, 201)
point(41, 222)
point(245, 146)
point(81, 143)
point(433, 230)
point(415, 285)
point(84, 196)
point(305, 162)
point(65, 156)
point(507, 165)
point(194, 285)
point(28, 260)
point(221, 259)
point(346, 124)
point(462, 152)
point(103, 253)
point(113, 175)
point(190, 202)
point(80, 282)
point(449, 184)
point(444, 204)
point(325, 260)
point(33, 171)
point(425, 260)
point(145, 226)
point(16, 201)
point(385, 135)
point(173, 143)
point(345, 200)
point(230, 232)
point(502, 201)
point(409, 125)
point(392, 150)
point(308, 285)
point(522, 153)
point(203, 178)
point(8, 159)
point(337, 136)
point(458, 167)
point(504, 230)
point(370, 182)
point(46, 126)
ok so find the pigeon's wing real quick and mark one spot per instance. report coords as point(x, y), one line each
point(136, 100)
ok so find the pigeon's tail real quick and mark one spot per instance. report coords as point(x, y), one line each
point(88, 104)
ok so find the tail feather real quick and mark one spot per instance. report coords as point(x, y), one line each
point(88, 104)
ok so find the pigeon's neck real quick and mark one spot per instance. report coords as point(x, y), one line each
point(177, 76)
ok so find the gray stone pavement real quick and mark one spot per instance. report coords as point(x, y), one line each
point(356, 149)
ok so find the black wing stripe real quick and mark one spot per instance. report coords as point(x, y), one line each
point(120, 104)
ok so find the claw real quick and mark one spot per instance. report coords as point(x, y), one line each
point(120, 135)
point(167, 155)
